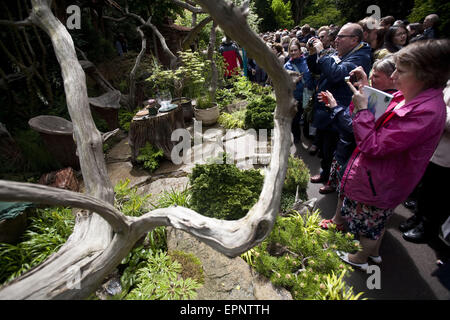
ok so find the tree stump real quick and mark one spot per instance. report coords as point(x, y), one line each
point(107, 106)
point(57, 134)
point(155, 129)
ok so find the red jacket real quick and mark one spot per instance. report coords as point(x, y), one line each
point(231, 55)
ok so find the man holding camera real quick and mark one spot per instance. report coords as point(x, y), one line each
point(333, 68)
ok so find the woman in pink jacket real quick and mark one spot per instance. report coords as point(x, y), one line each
point(393, 152)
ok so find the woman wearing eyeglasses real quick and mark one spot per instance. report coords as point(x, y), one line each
point(395, 38)
point(393, 152)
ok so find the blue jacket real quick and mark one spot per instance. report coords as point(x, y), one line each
point(332, 78)
point(342, 123)
point(307, 80)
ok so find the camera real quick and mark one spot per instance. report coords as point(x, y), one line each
point(352, 79)
point(310, 42)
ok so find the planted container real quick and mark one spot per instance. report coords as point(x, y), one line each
point(186, 104)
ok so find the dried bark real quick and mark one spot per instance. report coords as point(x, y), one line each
point(103, 236)
point(157, 130)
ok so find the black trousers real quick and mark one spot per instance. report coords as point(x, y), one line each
point(329, 140)
point(295, 127)
point(432, 197)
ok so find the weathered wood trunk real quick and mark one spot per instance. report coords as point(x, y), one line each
point(157, 130)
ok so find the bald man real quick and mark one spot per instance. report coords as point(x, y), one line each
point(429, 24)
point(352, 52)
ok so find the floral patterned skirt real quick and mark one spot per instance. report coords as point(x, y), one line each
point(364, 219)
point(335, 174)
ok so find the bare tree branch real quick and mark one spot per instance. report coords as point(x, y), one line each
point(188, 6)
point(194, 32)
point(16, 191)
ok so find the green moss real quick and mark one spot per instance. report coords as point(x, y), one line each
point(223, 191)
point(191, 265)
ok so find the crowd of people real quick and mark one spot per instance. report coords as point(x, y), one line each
point(374, 164)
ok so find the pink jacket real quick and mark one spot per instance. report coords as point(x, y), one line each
point(393, 153)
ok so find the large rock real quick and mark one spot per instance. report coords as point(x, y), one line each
point(225, 278)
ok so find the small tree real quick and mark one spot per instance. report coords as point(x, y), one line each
point(283, 13)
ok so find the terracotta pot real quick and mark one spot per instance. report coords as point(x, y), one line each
point(207, 116)
point(186, 104)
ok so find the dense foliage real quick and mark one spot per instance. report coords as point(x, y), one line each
point(223, 191)
point(154, 275)
point(297, 175)
point(150, 157)
point(259, 113)
point(48, 230)
point(300, 256)
point(233, 120)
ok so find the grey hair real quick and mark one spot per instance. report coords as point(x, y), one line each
point(385, 65)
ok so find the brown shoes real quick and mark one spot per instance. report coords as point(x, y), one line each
point(327, 189)
point(317, 179)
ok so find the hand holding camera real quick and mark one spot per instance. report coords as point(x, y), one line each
point(357, 77)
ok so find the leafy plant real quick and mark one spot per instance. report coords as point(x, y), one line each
point(125, 118)
point(49, 229)
point(299, 256)
point(259, 114)
point(335, 288)
point(283, 14)
point(174, 197)
point(150, 157)
point(155, 276)
point(297, 174)
point(128, 201)
point(223, 191)
point(232, 120)
point(189, 78)
point(204, 102)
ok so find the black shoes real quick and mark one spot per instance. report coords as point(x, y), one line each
point(409, 224)
point(417, 234)
point(411, 205)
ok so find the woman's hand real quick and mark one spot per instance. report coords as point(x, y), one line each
point(295, 76)
point(360, 100)
point(327, 98)
point(361, 77)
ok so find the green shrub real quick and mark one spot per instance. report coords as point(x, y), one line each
point(125, 118)
point(300, 256)
point(259, 113)
point(150, 157)
point(48, 231)
point(204, 102)
point(223, 191)
point(297, 174)
point(233, 120)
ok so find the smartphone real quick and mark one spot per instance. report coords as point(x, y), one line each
point(324, 98)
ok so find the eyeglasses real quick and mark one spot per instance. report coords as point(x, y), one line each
point(345, 36)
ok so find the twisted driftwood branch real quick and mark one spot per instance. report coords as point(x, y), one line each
point(100, 241)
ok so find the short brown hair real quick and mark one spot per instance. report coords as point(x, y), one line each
point(428, 59)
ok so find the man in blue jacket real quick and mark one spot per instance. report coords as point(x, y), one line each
point(351, 53)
